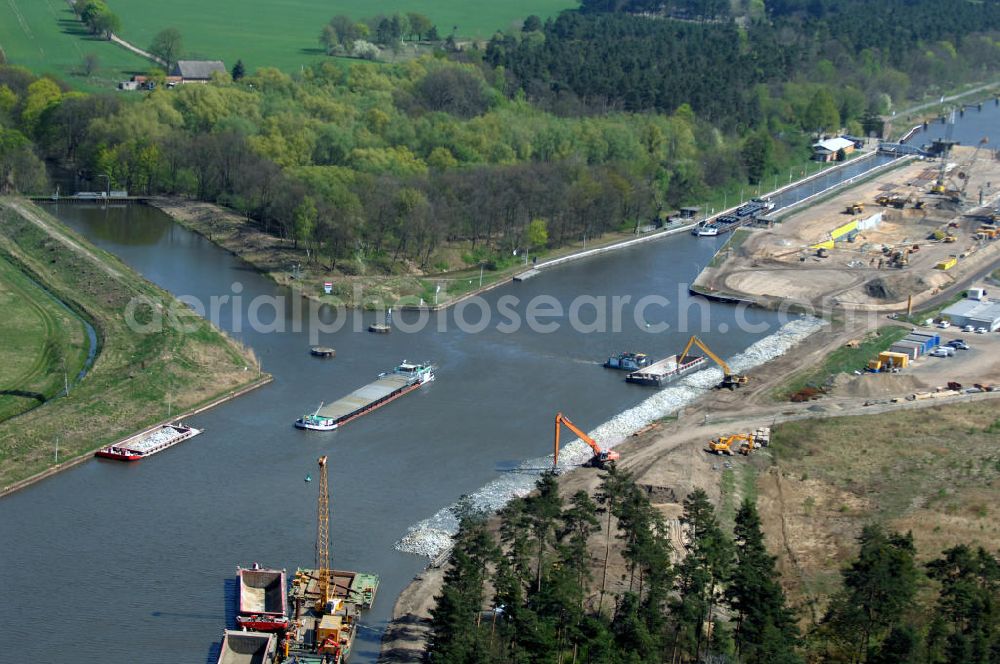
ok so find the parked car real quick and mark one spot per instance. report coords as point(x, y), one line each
point(969, 328)
point(981, 330)
point(944, 325)
point(942, 351)
point(958, 344)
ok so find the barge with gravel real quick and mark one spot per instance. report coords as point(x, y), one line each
point(387, 387)
point(263, 604)
point(666, 370)
point(240, 647)
point(148, 443)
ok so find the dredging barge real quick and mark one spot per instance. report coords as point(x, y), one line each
point(666, 370)
point(148, 443)
point(389, 386)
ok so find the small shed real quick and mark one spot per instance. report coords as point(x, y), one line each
point(827, 150)
point(198, 71)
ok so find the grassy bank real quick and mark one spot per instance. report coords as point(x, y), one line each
point(40, 339)
point(846, 359)
point(356, 283)
point(138, 377)
point(932, 471)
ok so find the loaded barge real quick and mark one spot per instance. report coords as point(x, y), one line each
point(148, 443)
point(263, 603)
point(666, 370)
point(389, 386)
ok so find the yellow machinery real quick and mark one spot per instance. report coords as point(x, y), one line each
point(601, 455)
point(729, 379)
point(323, 535)
point(729, 444)
point(888, 361)
point(856, 208)
point(744, 443)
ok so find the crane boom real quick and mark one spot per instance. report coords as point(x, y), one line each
point(729, 379)
point(323, 532)
point(601, 455)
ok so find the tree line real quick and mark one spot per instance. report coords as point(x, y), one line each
point(629, 54)
point(345, 36)
point(534, 587)
point(98, 17)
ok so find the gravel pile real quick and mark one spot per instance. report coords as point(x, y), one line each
point(153, 439)
point(433, 535)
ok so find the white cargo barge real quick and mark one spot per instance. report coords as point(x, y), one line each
point(666, 370)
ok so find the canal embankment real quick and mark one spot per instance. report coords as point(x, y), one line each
point(145, 371)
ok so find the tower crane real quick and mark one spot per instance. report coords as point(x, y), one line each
point(323, 533)
point(601, 455)
point(729, 379)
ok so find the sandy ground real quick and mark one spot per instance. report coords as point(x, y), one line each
point(779, 263)
point(669, 460)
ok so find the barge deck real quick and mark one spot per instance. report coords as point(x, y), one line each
point(666, 370)
point(148, 443)
point(389, 386)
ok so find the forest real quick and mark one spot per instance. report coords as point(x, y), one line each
point(588, 123)
point(533, 586)
point(733, 72)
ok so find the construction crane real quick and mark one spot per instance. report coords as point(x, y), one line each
point(601, 456)
point(966, 168)
point(729, 379)
point(323, 534)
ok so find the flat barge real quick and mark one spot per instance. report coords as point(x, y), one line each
point(666, 370)
point(328, 631)
point(239, 647)
point(263, 604)
point(388, 387)
point(148, 443)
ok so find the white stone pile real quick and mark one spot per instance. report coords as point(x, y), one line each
point(433, 535)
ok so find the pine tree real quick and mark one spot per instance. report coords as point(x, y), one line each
point(765, 630)
point(969, 604)
point(455, 635)
point(239, 71)
point(700, 575)
point(878, 588)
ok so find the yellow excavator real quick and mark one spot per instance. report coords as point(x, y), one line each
point(729, 379)
point(731, 444)
point(601, 457)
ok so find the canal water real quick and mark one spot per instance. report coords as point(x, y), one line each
point(125, 563)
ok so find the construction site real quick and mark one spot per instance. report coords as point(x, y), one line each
point(326, 605)
point(894, 240)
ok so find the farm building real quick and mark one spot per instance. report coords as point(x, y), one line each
point(198, 71)
point(827, 150)
point(978, 313)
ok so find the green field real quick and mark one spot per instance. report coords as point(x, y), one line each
point(36, 333)
point(285, 34)
point(45, 37)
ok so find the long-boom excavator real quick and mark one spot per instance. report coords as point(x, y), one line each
point(601, 456)
point(729, 379)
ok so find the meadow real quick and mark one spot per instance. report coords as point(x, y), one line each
point(38, 334)
point(45, 37)
point(285, 34)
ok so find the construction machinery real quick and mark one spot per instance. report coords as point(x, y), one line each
point(601, 457)
point(729, 379)
point(323, 537)
point(744, 443)
point(855, 208)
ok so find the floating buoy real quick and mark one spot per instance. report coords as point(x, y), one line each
point(309, 478)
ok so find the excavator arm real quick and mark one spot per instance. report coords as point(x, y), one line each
point(705, 349)
point(600, 454)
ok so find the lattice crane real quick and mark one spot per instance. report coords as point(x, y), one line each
point(323, 533)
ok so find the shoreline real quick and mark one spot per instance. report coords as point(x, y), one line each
point(261, 381)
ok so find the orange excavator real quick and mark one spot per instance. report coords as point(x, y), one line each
point(601, 456)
